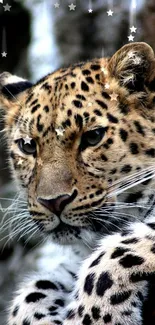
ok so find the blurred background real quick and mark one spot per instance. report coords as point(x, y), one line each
point(37, 37)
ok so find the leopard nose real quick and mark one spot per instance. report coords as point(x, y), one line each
point(56, 205)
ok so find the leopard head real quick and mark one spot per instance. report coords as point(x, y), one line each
point(78, 135)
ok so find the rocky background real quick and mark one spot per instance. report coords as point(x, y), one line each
point(39, 38)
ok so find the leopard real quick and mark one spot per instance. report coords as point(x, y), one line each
point(81, 142)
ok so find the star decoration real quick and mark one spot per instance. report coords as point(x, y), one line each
point(7, 7)
point(4, 54)
point(27, 140)
point(90, 104)
point(133, 29)
point(39, 162)
point(20, 161)
point(104, 70)
point(90, 11)
point(72, 7)
point(131, 55)
point(113, 96)
point(110, 12)
point(107, 86)
point(57, 5)
point(60, 131)
point(130, 38)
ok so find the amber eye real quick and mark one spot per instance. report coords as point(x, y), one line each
point(27, 148)
point(92, 138)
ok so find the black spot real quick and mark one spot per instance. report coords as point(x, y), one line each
point(69, 112)
point(134, 148)
point(78, 121)
point(126, 169)
point(127, 313)
point(124, 109)
point(77, 103)
point(139, 127)
point(104, 282)
point(15, 311)
point(58, 322)
point(112, 118)
point(72, 85)
point(140, 296)
point(45, 285)
point(46, 109)
point(34, 296)
point(105, 95)
point(95, 312)
point(89, 283)
point(53, 308)
point(131, 260)
point(70, 314)
point(120, 297)
point(66, 123)
point(126, 232)
point(39, 316)
point(86, 72)
point(123, 134)
point(86, 115)
point(80, 97)
point(95, 67)
point(53, 313)
point(39, 126)
point(84, 86)
point(153, 249)
point(97, 112)
point(86, 320)
point(130, 241)
point(59, 302)
point(104, 158)
point(102, 104)
point(80, 310)
point(34, 108)
point(97, 260)
point(26, 322)
point(90, 80)
point(142, 276)
point(119, 251)
point(107, 318)
point(150, 152)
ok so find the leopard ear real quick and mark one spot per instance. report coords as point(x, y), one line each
point(10, 88)
point(133, 66)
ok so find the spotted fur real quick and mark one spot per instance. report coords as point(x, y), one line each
point(91, 131)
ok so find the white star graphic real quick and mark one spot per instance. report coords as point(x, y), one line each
point(107, 86)
point(27, 140)
point(72, 6)
point(39, 162)
point(133, 29)
point(20, 161)
point(110, 12)
point(90, 11)
point(113, 96)
point(130, 38)
point(131, 55)
point(90, 104)
point(57, 5)
point(7, 7)
point(59, 131)
point(4, 54)
point(104, 70)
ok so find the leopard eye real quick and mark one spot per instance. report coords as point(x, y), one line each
point(92, 138)
point(27, 148)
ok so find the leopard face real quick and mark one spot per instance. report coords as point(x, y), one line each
point(75, 133)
